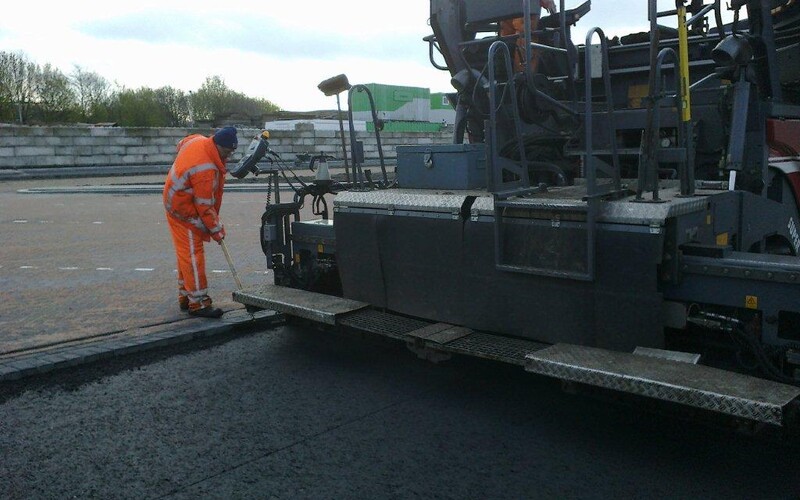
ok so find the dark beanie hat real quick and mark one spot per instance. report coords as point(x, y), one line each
point(226, 137)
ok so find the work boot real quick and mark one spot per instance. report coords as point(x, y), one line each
point(207, 312)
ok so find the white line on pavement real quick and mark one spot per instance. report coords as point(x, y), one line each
point(145, 269)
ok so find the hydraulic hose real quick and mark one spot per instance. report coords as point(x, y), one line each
point(764, 362)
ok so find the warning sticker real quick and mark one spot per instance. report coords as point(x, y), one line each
point(751, 302)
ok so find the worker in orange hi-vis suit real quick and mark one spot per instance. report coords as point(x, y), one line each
point(192, 199)
point(516, 26)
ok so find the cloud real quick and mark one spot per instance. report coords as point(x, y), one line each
point(275, 50)
point(259, 34)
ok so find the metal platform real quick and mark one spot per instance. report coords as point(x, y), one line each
point(309, 305)
point(678, 382)
point(441, 337)
point(381, 323)
point(357, 316)
point(669, 380)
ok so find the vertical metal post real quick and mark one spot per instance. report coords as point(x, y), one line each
point(526, 13)
point(647, 166)
point(565, 36)
point(759, 15)
point(344, 143)
point(683, 55)
point(495, 160)
point(356, 165)
point(741, 104)
point(685, 128)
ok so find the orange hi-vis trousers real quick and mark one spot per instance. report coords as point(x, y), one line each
point(192, 283)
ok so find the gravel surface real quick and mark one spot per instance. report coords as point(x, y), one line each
point(296, 413)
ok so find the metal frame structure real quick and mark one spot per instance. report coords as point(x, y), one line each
point(563, 264)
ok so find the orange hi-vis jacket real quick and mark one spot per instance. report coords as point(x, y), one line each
point(193, 190)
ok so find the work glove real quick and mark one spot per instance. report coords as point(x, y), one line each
point(219, 235)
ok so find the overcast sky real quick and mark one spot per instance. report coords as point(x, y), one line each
point(278, 50)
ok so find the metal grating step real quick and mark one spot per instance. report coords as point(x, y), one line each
point(382, 323)
point(462, 341)
point(678, 382)
point(495, 347)
point(309, 305)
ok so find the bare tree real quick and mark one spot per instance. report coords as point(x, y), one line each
point(92, 92)
point(16, 85)
point(55, 97)
point(29, 92)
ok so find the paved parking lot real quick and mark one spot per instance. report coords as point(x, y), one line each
point(79, 268)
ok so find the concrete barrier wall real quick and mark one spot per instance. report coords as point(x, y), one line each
point(76, 146)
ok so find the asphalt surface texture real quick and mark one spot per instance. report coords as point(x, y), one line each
point(296, 413)
point(83, 264)
point(291, 411)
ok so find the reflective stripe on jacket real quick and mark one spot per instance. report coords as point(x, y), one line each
point(193, 189)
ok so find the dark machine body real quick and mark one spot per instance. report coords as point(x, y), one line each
point(631, 194)
point(530, 277)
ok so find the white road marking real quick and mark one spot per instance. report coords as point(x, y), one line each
point(68, 268)
point(145, 269)
point(20, 221)
point(97, 222)
point(45, 222)
point(218, 271)
point(28, 267)
point(104, 269)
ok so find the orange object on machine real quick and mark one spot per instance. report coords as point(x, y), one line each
point(516, 26)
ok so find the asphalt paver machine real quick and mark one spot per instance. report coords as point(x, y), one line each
point(620, 214)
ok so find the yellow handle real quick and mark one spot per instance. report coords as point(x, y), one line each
point(683, 56)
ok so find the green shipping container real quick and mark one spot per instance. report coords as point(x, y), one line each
point(400, 126)
point(439, 100)
point(392, 102)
